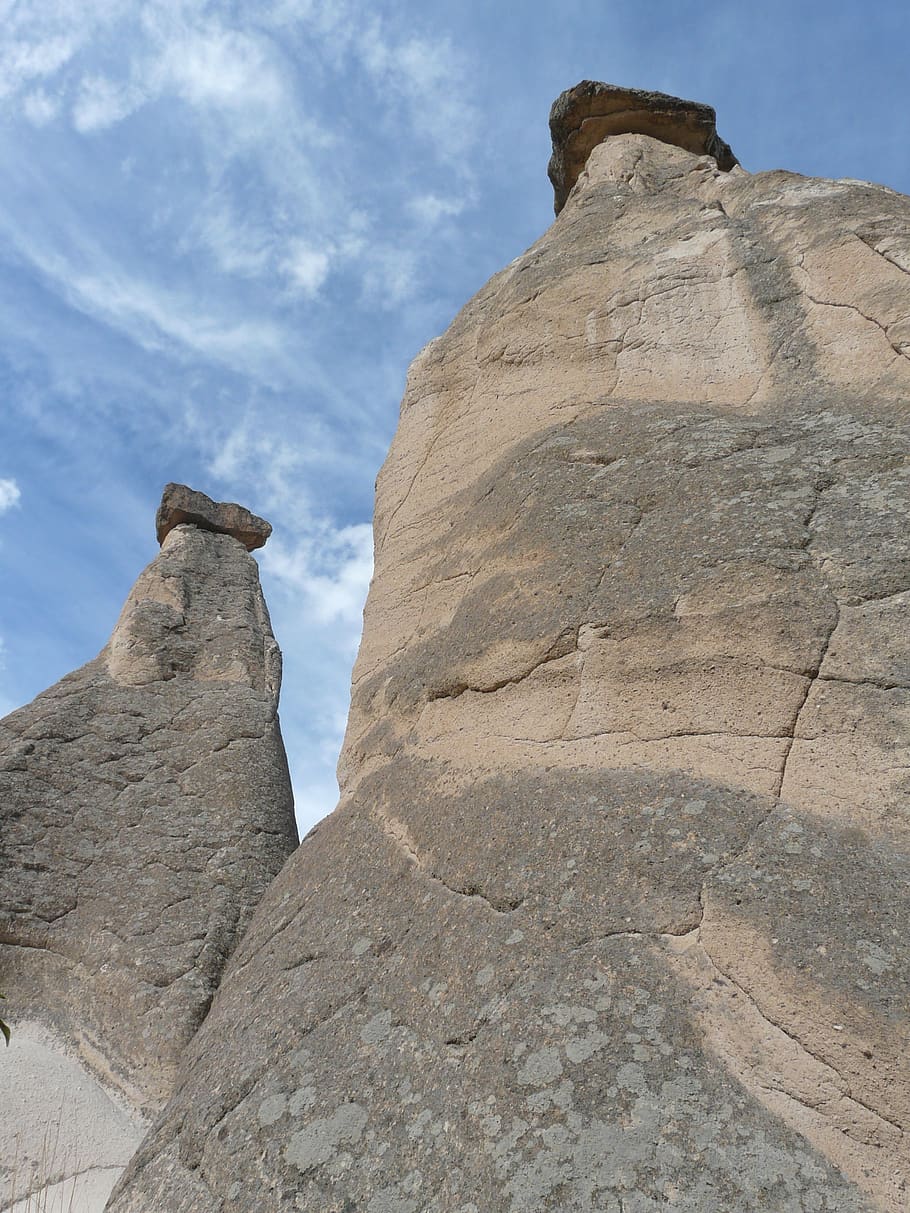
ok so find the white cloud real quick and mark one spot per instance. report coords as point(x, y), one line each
point(152, 316)
point(430, 208)
point(390, 275)
point(23, 61)
point(307, 268)
point(214, 66)
point(156, 317)
point(9, 497)
point(102, 103)
point(428, 78)
point(253, 461)
point(40, 108)
point(238, 246)
point(330, 569)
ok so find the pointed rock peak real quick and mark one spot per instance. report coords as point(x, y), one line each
point(585, 115)
point(181, 504)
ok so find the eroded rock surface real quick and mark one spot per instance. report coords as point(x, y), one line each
point(145, 806)
point(592, 111)
point(609, 915)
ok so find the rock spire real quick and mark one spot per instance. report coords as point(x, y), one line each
point(145, 806)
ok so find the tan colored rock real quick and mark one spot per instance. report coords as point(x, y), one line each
point(181, 504)
point(611, 911)
point(145, 805)
point(585, 115)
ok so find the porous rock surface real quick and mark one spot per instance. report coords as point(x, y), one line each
point(592, 111)
point(145, 805)
point(611, 915)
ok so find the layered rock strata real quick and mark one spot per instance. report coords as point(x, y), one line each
point(591, 112)
point(145, 806)
point(610, 915)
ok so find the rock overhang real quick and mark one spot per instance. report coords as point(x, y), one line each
point(583, 116)
point(180, 504)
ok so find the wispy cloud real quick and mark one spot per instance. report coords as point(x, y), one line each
point(156, 318)
point(9, 497)
point(430, 208)
point(306, 267)
point(207, 63)
point(40, 107)
point(257, 116)
point(330, 571)
point(220, 245)
point(101, 103)
point(24, 61)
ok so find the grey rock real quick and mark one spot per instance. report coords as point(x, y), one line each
point(608, 916)
point(181, 504)
point(145, 806)
point(583, 116)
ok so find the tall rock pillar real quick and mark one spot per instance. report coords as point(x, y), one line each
point(610, 915)
point(145, 806)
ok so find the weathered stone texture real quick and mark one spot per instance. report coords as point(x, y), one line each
point(585, 115)
point(180, 504)
point(145, 806)
point(609, 916)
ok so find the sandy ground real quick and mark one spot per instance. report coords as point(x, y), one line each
point(64, 1138)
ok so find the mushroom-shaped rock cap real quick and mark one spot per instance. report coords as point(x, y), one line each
point(585, 115)
point(182, 504)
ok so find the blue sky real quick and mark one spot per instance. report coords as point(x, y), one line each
point(226, 229)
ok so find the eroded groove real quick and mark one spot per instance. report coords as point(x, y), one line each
point(822, 1061)
point(851, 307)
point(564, 645)
point(804, 1090)
point(400, 836)
point(884, 256)
point(685, 937)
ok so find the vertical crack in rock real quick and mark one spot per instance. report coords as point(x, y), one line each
point(814, 677)
point(815, 671)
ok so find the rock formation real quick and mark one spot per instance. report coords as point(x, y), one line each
point(181, 504)
point(611, 915)
point(585, 115)
point(145, 806)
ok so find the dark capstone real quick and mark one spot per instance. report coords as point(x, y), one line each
point(180, 504)
point(585, 115)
